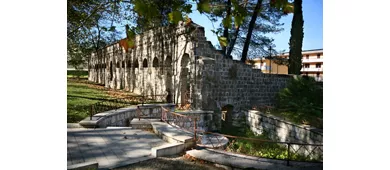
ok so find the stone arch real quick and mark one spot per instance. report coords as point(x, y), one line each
point(155, 62)
point(168, 62)
point(128, 64)
point(118, 64)
point(185, 60)
point(123, 64)
point(227, 116)
point(185, 94)
point(136, 65)
point(145, 63)
point(168, 78)
point(111, 71)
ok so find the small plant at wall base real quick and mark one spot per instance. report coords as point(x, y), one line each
point(301, 101)
point(261, 149)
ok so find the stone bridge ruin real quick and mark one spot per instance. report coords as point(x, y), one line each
point(181, 60)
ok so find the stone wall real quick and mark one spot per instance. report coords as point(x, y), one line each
point(206, 120)
point(281, 130)
point(160, 60)
point(121, 117)
point(225, 81)
point(182, 60)
point(284, 131)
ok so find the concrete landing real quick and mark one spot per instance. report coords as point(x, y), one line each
point(173, 134)
point(242, 161)
point(112, 147)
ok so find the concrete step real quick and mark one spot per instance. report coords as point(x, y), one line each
point(173, 134)
point(167, 149)
point(142, 123)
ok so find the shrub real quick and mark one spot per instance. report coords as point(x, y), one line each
point(301, 99)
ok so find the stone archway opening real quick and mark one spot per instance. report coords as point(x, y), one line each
point(168, 78)
point(185, 98)
point(136, 65)
point(145, 63)
point(111, 71)
point(155, 62)
point(226, 117)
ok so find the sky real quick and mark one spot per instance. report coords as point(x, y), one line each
point(312, 16)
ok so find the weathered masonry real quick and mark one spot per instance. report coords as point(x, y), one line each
point(182, 61)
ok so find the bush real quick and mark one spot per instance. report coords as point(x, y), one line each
point(301, 99)
point(77, 73)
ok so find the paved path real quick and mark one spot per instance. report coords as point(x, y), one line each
point(110, 147)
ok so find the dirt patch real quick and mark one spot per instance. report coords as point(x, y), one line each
point(120, 94)
point(170, 163)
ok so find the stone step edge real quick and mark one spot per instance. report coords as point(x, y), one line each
point(167, 149)
point(84, 166)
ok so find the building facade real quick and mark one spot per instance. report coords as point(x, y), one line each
point(312, 64)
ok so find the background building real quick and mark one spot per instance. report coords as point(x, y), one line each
point(312, 64)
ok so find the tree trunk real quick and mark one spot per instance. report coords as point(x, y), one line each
point(226, 29)
point(295, 54)
point(234, 38)
point(250, 29)
point(232, 42)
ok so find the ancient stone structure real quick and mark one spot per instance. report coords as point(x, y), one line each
point(182, 61)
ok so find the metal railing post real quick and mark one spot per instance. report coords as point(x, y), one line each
point(288, 154)
point(195, 130)
point(138, 112)
point(90, 115)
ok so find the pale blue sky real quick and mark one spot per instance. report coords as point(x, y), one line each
point(312, 16)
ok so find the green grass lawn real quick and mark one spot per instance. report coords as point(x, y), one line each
point(77, 74)
point(78, 107)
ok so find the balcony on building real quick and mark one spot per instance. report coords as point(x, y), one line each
point(311, 69)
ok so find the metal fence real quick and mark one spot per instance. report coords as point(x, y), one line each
point(288, 151)
point(115, 104)
point(184, 122)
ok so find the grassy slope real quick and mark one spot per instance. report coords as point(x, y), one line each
point(78, 107)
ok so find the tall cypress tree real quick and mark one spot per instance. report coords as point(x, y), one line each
point(295, 55)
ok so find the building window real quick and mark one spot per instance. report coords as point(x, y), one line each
point(307, 56)
point(307, 65)
point(318, 65)
point(318, 55)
